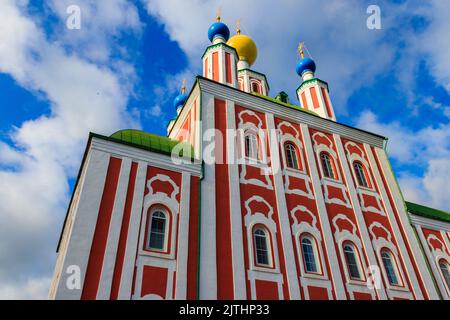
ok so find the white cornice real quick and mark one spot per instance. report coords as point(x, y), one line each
point(429, 223)
point(262, 105)
point(153, 158)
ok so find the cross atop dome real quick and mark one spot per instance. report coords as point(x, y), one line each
point(306, 67)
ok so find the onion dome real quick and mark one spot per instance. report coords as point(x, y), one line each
point(218, 29)
point(245, 47)
point(180, 100)
point(305, 64)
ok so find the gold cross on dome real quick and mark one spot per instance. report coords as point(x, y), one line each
point(183, 87)
point(301, 50)
point(238, 26)
point(218, 14)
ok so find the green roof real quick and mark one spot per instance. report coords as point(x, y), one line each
point(427, 212)
point(284, 103)
point(148, 141)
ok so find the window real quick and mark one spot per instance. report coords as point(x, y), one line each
point(251, 146)
point(261, 247)
point(309, 255)
point(157, 232)
point(327, 165)
point(445, 269)
point(255, 87)
point(291, 156)
point(389, 267)
point(352, 262)
point(360, 174)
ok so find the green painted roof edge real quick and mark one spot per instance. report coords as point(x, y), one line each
point(292, 106)
point(217, 45)
point(148, 141)
point(427, 212)
point(304, 83)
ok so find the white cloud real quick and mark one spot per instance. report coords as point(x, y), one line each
point(348, 56)
point(335, 31)
point(83, 96)
point(33, 289)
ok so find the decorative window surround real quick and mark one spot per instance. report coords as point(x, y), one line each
point(379, 243)
point(256, 272)
point(290, 172)
point(370, 191)
point(244, 127)
point(337, 183)
point(321, 147)
point(300, 228)
point(433, 257)
point(342, 236)
point(170, 202)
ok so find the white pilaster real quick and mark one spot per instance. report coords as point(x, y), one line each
point(285, 226)
point(324, 220)
point(129, 261)
point(183, 238)
point(433, 266)
point(208, 266)
point(237, 242)
point(362, 226)
point(109, 260)
point(403, 216)
point(84, 222)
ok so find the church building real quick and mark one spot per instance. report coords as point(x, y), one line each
point(247, 197)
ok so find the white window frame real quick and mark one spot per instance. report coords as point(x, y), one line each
point(166, 231)
point(362, 171)
point(268, 238)
point(356, 253)
point(395, 265)
point(315, 252)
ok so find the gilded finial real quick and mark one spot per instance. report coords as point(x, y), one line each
point(238, 27)
point(183, 87)
point(218, 14)
point(301, 50)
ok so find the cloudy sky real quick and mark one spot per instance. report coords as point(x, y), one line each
point(125, 65)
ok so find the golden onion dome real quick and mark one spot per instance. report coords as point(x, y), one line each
point(245, 47)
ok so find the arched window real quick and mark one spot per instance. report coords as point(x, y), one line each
point(360, 174)
point(255, 88)
point(261, 247)
point(241, 84)
point(327, 165)
point(251, 146)
point(157, 230)
point(390, 267)
point(445, 269)
point(309, 255)
point(351, 259)
point(291, 156)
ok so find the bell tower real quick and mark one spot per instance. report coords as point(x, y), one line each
point(313, 93)
point(248, 80)
point(220, 60)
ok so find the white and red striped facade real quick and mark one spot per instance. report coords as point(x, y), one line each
point(214, 208)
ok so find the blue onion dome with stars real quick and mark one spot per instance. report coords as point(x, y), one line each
point(305, 63)
point(218, 29)
point(180, 100)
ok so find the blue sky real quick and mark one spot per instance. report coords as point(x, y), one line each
point(126, 64)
